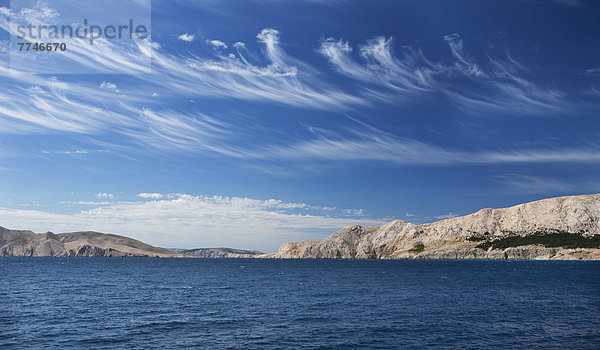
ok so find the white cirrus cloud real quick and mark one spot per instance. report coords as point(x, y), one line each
point(104, 195)
point(33, 104)
point(283, 80)
point(373, 145)
point(384, 75)
point(505, 85)
point(534, 184)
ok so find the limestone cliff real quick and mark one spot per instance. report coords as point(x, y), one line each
point(27, 243)
point(555, 228)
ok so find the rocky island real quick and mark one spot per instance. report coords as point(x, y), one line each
point(561, 228)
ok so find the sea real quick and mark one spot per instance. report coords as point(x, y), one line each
point(158, 303)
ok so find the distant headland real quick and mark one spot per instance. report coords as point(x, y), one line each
point(562, 228)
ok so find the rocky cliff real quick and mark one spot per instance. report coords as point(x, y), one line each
point(27, 243)
point(555, 228)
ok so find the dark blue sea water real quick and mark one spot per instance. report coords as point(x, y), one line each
point(195, 303)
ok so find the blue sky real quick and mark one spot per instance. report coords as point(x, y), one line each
point(268, 121)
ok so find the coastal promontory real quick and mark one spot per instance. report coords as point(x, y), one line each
point(562, 228)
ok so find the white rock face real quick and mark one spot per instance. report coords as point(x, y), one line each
point(449, 239)
point(220, 253)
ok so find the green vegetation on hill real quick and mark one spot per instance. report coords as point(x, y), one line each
point(418, 248)
point(547, 239)
point(476, 238)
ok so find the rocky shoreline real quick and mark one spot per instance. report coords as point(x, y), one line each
point(562, 228)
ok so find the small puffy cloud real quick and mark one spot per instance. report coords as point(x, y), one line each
point(186, 37)
point(108, 86)
point(269, 36)
point(452, 37)
point(353, 212)
point(104, 195)
point(218, 44)
point(150, 195)
point(239, 45)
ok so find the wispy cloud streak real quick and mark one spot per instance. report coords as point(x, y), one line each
point(502, 86)
point(370, 144)
point(407, 75)
point(34, 104)
point(283, 80)
point(533, 184)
